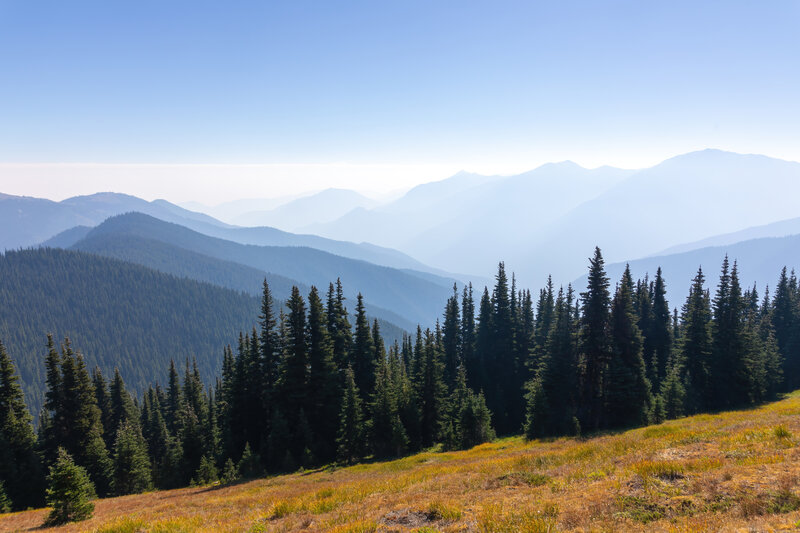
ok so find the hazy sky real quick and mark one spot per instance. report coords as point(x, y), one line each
point(209, 101)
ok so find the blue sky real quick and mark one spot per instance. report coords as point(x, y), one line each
point(487, 86)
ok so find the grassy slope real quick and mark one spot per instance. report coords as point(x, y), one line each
point(708, 472)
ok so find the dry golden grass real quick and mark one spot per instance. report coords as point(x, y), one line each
point(736, 471)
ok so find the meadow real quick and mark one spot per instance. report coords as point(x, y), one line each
point(731, 471)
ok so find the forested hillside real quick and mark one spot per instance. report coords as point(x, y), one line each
point(117, 314)
point(415, 297)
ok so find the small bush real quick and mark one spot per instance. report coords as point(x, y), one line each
point(664, 470)
point(438, 510)
point(781, 432)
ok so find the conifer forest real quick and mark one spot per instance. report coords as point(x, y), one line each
point(315, 384)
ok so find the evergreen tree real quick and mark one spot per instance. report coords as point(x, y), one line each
point(279, 458)
point(103, 396)
point(431, 390)
point(467, 355)
point(626, 388)
point(121, 406)
point(387, 436)
point(659, 333)
point(551, 399)
point(595, 343)
point(5, 503)
point(785, 321)
point(478, 367)
point(249, 466)
point(351, 429)
point(501, 392)
point(696, 346)
point(69, 491)
point(132, 473)
point(451, 334)
point(545, 311)
point(730, 382)
point(294, 377)
point(20, 468)
point(323, 381)
point(363, 352)
point(339, 326)
point(82, 435)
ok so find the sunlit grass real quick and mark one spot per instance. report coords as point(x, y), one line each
point(727, 471)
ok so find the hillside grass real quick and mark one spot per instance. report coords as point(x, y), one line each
point(729, 471)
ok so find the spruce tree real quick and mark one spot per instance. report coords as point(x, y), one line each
point(551, 399)
point(351, 429)
point(323, 381)
point(785, 321)
point(20, 468)
point(132, 473)
point(431, 389)
point(451, 334)
point(69, 491)
point(294, 375)
point(363, 352)
point(696, 346)
point(626, 388)
point(386, 434)
point(339, 326)
point(467, 355)
point(595, 343)
point(659, 333)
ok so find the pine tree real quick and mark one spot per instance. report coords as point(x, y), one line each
point(207, 472)
point(626, 388)
point(69, 491)
point(20, 468)
point(595, 343)
point(351, 429)
point(132, 473)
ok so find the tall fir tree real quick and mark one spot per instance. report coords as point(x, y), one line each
point(323, 381)
point(595, 343)
point(351, 422)
point(363, 352)
point(20, 469)
point(626, 388)
point(452, 338)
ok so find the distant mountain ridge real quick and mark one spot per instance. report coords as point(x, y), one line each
point(322, 207)
point(28, 221)
point(401, 295)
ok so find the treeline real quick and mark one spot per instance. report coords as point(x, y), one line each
point(307, 388)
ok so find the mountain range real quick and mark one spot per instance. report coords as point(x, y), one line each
point(548, 220)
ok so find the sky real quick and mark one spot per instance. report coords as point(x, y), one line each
point(211, 101)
